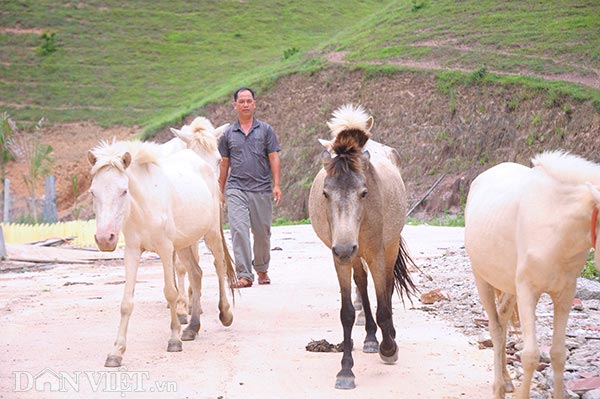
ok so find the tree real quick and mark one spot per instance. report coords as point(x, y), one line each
point(27, 147)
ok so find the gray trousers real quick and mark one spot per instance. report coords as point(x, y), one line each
point(250, 212)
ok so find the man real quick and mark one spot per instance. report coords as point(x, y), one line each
point(250, 155)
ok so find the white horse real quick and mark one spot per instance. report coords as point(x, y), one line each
point(201, 137)
point(529, 231)
point(161, 203)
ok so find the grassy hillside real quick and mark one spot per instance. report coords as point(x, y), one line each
point(149, 63)
point(136, 62)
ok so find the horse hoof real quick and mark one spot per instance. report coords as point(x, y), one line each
point(391, 358)
point(226, 318)
point(182, 319)
point(371, 347)
point(113, 361)
point(346, 382)
point(174, 346)
point(360, 319)
point(188, 335)
point(509, 387)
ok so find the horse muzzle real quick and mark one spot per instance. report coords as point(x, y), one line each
point(106, 242)
point(344, 252)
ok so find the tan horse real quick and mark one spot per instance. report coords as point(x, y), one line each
point(357, 207)
point(529, 231)
point(161, 203)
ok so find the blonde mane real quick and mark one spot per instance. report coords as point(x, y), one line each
point(567, 168)
point(111, 155)
point(350, 117)
point(199, 129)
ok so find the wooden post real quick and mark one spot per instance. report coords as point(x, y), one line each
point(6, 209)
point(50, 213)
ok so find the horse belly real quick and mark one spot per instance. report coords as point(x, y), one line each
point(490, 224)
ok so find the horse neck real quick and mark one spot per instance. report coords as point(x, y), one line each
point(140, 178)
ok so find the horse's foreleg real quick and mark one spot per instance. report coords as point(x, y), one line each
point(370, 345)
point(558, 356)
point(171, 294)
point(132, 259)
point(215, 243)
point(182, 300)
point(187, 257)
point(345, 377)
point(530, 357)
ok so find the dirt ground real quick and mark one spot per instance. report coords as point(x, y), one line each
point(60, 323)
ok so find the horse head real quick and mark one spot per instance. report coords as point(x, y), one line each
point(345, 188)
point(201, 137)
point(110, 192)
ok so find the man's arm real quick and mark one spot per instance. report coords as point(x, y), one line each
point(274, 161)
point(223, 172)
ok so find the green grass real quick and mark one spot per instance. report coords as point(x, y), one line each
point(151, 63)
point(144, 62)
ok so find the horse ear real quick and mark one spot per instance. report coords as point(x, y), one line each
point(325, 156)
point(126, 159)
point(595, 193)
point(176, 133)
point(328, 144)
point(370, 122)
point(218, 132)
point(365, 156)
point(91, 158)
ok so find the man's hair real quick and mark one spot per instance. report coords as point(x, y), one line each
point(238, 91)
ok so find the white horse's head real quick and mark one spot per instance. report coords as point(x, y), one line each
point(201, 137)
point(110, 191)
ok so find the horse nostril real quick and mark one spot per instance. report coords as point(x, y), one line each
point(111, 238)
point(344, 252)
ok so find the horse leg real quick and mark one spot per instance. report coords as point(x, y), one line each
point(215, 243)
point(194, 249)
point(487, 296)
point(558, 356)
point(506, 308)
point(170, 291)
point(194, 271)
point(371, 345)
point(345, 377)
point(530, 357)
point(182, 300)
point(132, 260)
point(358, 306)
point(383, 279)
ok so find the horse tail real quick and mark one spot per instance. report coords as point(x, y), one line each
point(402, 280)
point(231, 275)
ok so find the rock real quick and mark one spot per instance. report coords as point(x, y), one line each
point(587, 289)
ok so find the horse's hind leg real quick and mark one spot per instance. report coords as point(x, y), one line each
point(182, 299)
point(562, 306)
point(371, 345)
point(345, 377)
point(497, 329)
point(170, 291)
point(186, 256)
point(382, 270)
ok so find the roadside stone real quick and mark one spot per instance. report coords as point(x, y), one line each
point(595, 394)
point(587, 289)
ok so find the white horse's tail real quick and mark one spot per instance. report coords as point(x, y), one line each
point(230, 265)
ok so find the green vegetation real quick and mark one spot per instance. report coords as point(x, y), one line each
point(151, 63)
point(589, 270)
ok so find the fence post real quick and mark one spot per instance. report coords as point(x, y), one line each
point(3, 253)
point(6, 209)
point(50, 213)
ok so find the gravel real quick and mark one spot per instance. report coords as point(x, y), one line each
point(451, 276)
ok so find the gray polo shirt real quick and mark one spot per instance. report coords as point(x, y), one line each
point(250, 169)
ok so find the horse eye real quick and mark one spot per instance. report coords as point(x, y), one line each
point(124, 193)
point(92, 194)
point(325, 195)
point(363, 194)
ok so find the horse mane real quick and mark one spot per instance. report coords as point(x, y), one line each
point(567, 168)
point(347, 146)
point(200, 128)
point(111, 154)
point(347, 117)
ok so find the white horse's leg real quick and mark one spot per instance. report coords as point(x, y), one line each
point(182, 299)
point(558, 356)
point(487, 296)
point(132, 261)
point(214, 242)
point(186, 256)
point(170, 292)
point(530, 358)
point(506, 308)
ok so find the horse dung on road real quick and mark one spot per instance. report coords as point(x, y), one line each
point(357, 207)
point(529, 231)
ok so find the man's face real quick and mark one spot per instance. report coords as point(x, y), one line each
point(245, 104)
